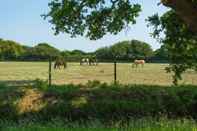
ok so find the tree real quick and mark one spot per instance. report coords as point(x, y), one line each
point(10, 50)
point(161, 54)
point(94, 18)
point(140, 50)
point(42, 51)
point(180, 42)
point(103, 54)
point(125, 50)
point(185, 9)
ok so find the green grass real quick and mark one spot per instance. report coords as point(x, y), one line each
point(96, 101)
point(98, 107)
point(151, 74)
point(135, 125)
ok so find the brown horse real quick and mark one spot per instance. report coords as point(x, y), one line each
point(93, 61)
point(60, 63)
point(138, 62)
point(89, 61)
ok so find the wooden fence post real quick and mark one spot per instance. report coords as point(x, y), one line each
point(50, 64)
point(115, 72)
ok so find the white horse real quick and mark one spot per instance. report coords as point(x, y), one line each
point(84, 61)
point(138, 62)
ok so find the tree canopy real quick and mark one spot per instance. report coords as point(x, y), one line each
point(92, 18)
point(96, 18)
point(186, 10)
point(180, 42)
point(10, 50)
point(125, 50)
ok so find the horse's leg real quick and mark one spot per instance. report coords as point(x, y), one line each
point(55, 66)
point(133, 65)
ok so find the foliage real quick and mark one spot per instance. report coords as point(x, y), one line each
point(10, 50)
point(75, 55)
point(186, 10)
point(102, 102)
point(145, 124)
point(42, 51)
point(38, 83)
point(94, 18)
point(179, 41)
point(126, 50)
point(160, 55)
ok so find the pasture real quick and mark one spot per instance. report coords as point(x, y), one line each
point(150, 74)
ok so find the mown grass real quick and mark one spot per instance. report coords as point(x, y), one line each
point(151, 74)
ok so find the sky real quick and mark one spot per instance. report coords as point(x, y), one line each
point(21, 21)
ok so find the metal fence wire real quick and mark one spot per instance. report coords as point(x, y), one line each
point(25, 73)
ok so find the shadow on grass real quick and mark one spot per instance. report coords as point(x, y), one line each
point(17, 83)
point(98, 101)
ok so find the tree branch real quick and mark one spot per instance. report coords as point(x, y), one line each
point(186, 10)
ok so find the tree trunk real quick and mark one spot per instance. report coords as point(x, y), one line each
point(186, 9)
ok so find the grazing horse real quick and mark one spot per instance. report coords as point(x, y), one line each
point(59, 63)
point(84, 61)
point(89, 61)
point(138, 62)
point(93, 61)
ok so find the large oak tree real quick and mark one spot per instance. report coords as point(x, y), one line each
point(96, 18)
point(186, 9)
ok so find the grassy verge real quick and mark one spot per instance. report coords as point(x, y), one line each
point(96, 101)
point(135, 125)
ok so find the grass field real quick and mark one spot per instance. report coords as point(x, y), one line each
point(139, 125)
point(154, 74)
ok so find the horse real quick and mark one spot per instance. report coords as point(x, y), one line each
point(59, 63)
point(84, 61)
point(93, 61)
point(89, 61)
point(138, 62)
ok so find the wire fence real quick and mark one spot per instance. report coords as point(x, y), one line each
point(25, 73)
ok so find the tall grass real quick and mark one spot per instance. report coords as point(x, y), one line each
point(95, 100)
point(135, 125)
point(98, 106)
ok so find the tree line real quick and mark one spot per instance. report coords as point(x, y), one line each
point(176, 29)
point(122, 51)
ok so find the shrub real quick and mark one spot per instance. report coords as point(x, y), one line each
point(105, 102)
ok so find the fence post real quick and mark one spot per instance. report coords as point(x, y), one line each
point(115, 72)
point(50, 64)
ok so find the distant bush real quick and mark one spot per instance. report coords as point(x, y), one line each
point(38, 83)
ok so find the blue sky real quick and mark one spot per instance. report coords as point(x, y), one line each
point(20, 21)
